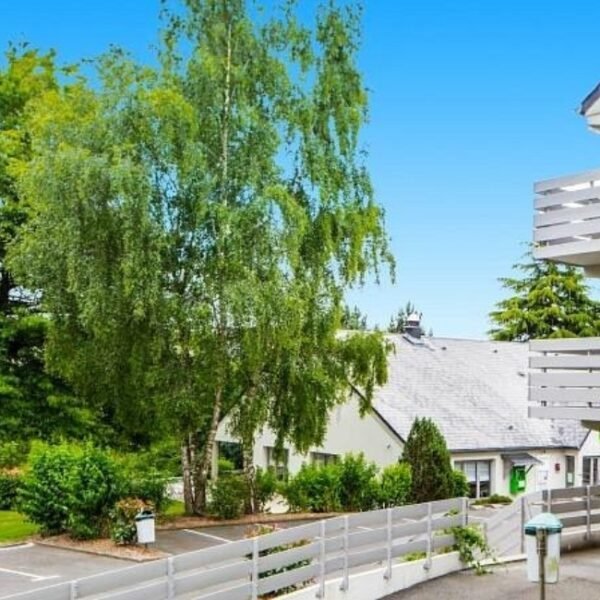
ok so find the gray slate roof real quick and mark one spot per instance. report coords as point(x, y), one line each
point(475, 391)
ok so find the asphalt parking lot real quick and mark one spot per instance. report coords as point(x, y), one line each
point(30, 566)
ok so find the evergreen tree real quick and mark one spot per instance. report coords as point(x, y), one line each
point(429, 459)
point(548, 300)
point(353, 319)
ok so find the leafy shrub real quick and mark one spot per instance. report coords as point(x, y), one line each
point(227, 496)
point(460, 484)
point(43, 497)
point(357, 483)
point(149, 486)
point(10, 480)
point(265, 487)
point(225, 466)
point(314, 488)
point(493, 499)
point(93, 488)
point(471, 544)
point(394, 485)
point(13, 454)
point(122, 527)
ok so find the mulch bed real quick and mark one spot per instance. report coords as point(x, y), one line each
point(196, 522)
point(102, 547)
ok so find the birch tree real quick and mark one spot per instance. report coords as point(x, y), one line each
point(194, 227)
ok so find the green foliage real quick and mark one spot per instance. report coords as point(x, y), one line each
point(266, 486)
point(472, 546)
point(398, 321)
point(13, 454)
point(314, 489)
point(43, 498)
point(460, 484)
point(353, 319)
point(395, 485)
point(142, 479)
point(429, 459)
point(92, 488)
point(10, 481)
point(357, 483)
point(548, 300)
point(123, 530)
point(493, 499)
point(227, 497)
point(225, 466)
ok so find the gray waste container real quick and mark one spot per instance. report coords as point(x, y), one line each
point(542, 534)
point(144, 523)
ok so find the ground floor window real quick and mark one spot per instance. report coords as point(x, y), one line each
point(591, 470)
point(478, 473)
point(323, 458)
point(277, 461)
point(231, 452)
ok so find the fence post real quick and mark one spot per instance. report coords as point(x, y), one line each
point(522, 534)
point(427, 564)
point(388, 570)
point(465, 512)
point(255, 568)
point(73, 589)
point(549, 500)
point(170, 578)
point(345, 580)
point(588, 514)
point(321, 590)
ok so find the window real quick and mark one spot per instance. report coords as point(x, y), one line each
point(323, 458)
point(232, 452)
point(478, 474)
point(591, 470)
point(570, 471)
point(277, 462)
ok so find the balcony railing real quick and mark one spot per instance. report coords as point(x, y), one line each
point(564, 379)
point(567, 220)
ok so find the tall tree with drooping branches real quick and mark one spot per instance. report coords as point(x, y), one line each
point(194, 227)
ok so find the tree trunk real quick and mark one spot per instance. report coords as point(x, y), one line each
point(188, 450)
point(202, 467)
point(251, 504)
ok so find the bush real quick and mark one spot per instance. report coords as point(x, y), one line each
point(265, 487)
point(460, 485)
point(13, 454)
point(149, 486)
point(122, 528)
point(93, 488)
point(493, 499)
point(357, 483)
point(314, 488)
point(43, 497)
point(227, 496)
point(10, 480)
point(225, 466)
point(394, 485)
point(429, 459)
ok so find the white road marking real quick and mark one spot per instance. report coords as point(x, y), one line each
point(17, 547)
point(31, 576)
point(208, 535)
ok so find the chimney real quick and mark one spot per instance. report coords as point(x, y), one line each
point(413, 326)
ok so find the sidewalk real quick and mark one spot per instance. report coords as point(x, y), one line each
point(579, 578)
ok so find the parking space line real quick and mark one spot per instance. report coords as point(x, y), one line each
point(31, 576)
point(208, 535)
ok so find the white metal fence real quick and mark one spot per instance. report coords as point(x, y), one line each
point(278, 561)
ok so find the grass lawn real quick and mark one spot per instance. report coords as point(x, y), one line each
point(14, 528)
point(175, 508)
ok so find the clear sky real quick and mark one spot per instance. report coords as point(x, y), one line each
point(471, 101)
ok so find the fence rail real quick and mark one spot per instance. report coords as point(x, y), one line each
point(277, 561)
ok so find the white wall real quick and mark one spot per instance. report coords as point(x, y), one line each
point(591, 447)
point(347, 432)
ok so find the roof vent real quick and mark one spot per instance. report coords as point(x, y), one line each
point(413, 326)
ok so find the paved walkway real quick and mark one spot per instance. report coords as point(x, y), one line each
point(579, 579)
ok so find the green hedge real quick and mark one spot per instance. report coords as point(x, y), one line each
point(9, 486)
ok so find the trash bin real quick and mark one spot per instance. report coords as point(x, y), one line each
point(542, 534)
point(144, 523)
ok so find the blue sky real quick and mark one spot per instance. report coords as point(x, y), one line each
point(471, 102)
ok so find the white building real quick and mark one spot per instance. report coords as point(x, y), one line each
point(476, 392)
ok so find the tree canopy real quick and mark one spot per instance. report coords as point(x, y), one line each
point(192, 229)
point(547, 300)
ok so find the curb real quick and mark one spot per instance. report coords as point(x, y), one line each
point(139, 559)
